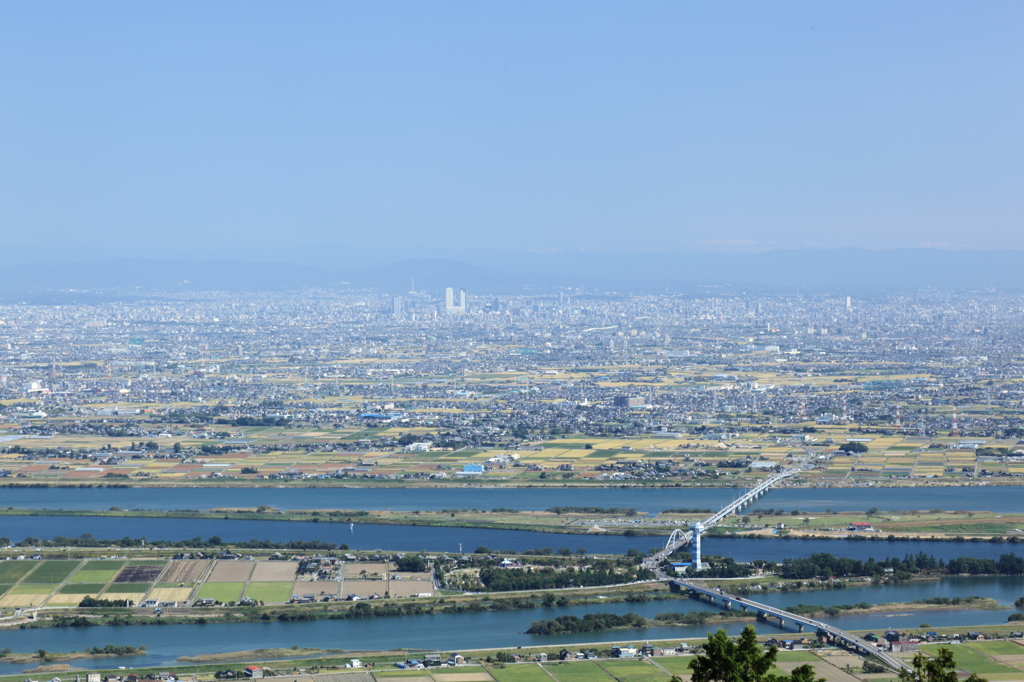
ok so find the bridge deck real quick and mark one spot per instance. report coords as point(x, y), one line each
point(730, 601)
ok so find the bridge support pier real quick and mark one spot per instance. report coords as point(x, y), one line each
point(800, 627)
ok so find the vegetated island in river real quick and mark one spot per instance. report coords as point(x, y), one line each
point(258, 654)
point(43, 656)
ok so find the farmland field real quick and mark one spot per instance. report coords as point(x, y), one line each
point(171, 593)
point(678, 665)
point(270, 592)
point(82, 589)
point(274, 571)
point(973, 661)
point(578, 672)
point(636, 670)
point(139, 573)
point(52, 572)
point(522, 672)
point(185, 571)
point(128, 588)
point(230, 572)
point(97, 571)
point(407, 588)
point(360, 588)
point(222, 592)
point(13, 571)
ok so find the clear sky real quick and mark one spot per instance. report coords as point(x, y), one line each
point(312, 130)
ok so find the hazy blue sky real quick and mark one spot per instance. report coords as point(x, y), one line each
point(285, 130)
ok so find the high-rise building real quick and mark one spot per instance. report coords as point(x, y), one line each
point(397, 307)
point(449, 301)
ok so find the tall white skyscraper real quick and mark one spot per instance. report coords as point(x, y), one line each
point(449, 301)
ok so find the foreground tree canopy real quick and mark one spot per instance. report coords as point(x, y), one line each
point(745, 660)
point(742, 661)
point(942, 668)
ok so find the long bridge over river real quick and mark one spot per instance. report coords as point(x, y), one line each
point(681, 538)
point(764, 612)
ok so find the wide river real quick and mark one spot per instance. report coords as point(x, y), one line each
point(394, 538)
point(496, 628)
point(999, 499)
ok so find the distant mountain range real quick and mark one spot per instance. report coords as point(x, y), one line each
point(838, 270)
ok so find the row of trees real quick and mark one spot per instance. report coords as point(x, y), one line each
point(823, 564)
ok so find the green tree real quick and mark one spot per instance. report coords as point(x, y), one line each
point(941, 668)
point(726, 661)
point(742, 661)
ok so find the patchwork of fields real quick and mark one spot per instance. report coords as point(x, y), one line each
point(892, 456)
point(66, 583)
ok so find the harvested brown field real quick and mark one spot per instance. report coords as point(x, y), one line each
point(319, 588)
point(409, 588)
point(139, 574)
point(355, 570)
point(230, 572)
point(274, 571)
point(171, 593)
point(18, 600)
point(185, 571)
point(463, 677)
point(361, 588)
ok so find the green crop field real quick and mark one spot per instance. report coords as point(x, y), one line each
point(103, 565)
point(32, 589)
point(269, 592)
point(52, 572)
point(797, 657)
point(997, 648)
point(972, 660)
point(128, 588)
point(578, 672)
point(94, 574)
point(676, 666)
point(13, 571)
point(82, 589)
point(520, 672)
point(634, 670)
point(222, 592)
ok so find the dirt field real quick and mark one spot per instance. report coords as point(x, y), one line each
point(171, 593)
point(230, 572)
point(185, 571)
point(317, 587)
point(274, 571)
point(362, 588)
point(139, 574)
point(408, 588)
point(463, 677)
point(353, 570)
